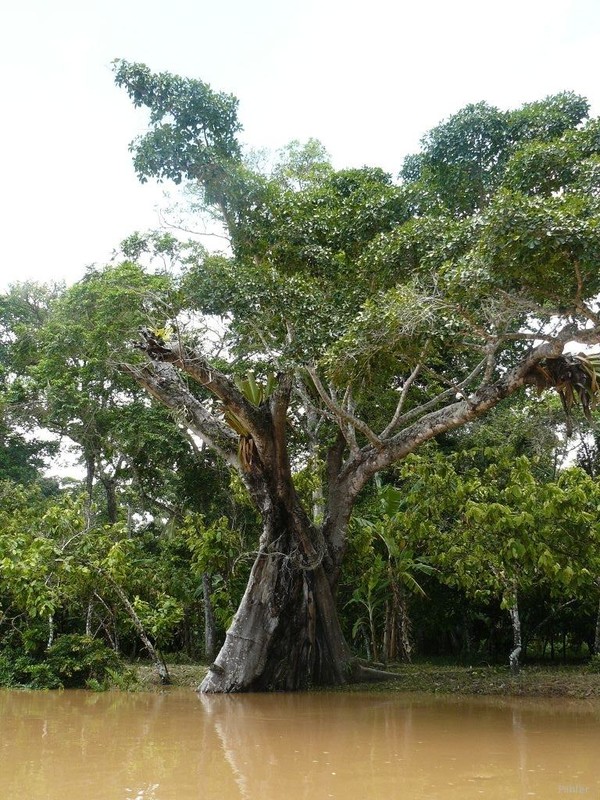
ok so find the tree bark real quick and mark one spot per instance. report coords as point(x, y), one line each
point(159, 664)
point(286, 633)
point(210, 628)
point(597, 634)
point(516, 628)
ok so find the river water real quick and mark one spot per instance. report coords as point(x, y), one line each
point(77, 745)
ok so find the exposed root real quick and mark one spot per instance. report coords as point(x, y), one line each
point(360, 673)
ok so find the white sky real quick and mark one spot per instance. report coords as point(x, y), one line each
point(367, 78)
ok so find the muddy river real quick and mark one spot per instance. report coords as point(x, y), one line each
point(179, 746)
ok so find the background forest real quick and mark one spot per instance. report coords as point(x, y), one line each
point(384, 299)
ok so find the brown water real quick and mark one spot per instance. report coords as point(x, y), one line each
point(178, 746)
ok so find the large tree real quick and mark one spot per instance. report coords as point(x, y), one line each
point(363, 317)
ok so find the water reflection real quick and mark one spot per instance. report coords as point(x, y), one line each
point(177, 746)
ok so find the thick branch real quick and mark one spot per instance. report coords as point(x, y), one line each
point(447, 394)
point(162, 382)
point(371, 460)
point(198, 368)
point(279, 402)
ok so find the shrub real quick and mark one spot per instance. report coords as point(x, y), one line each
point(73, 661)
point(77, 659)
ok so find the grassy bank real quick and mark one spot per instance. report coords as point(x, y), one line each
point(533, 681)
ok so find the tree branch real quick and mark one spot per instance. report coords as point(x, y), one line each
point(371, 460)
point(403, 394)
point(162, 381)
point(340, 413)
point(197, 367)
point(447, 394)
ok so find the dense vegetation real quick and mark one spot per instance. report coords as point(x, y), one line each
point(338, 425)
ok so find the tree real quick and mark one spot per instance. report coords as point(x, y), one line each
point(388, 314)
point(23, 308)
point(57, 572)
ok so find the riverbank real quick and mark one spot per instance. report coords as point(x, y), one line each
point(532, 681)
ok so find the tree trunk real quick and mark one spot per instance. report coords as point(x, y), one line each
point(210, 628)
point(597, 635)
point(389, 634)
point(110, 490)
point(159, 664)
point(88, 617)
point(50, 641)
point(90, 471)
point(516, 627)
point(286, 633)
point(404, 624)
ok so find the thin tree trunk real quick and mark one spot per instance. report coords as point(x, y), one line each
point(210, 628)
point(110, 490)
point(388, 635)
point(516, 628)
point(404, 624)
point(373, 630)
point(90, 471)
point(157, 660)
point(113, 637)
point(50, 641)
point(597, 636)
point(88, 618)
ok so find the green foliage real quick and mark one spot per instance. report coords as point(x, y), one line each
point(193, 124)
point(547, 246)
point(388, 334)
point(594, 664)
point(394, 292)
point(160, 617)
point(218, 550)
point(493, 228)
point(463, 159)
point(385, 571)
point(73, 661)
point(496, 526)
point(77, 659)
point(300, 165)
point(21, 460)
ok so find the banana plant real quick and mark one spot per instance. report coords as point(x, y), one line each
point(397, 576)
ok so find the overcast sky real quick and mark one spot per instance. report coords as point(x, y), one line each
point(366, 78)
